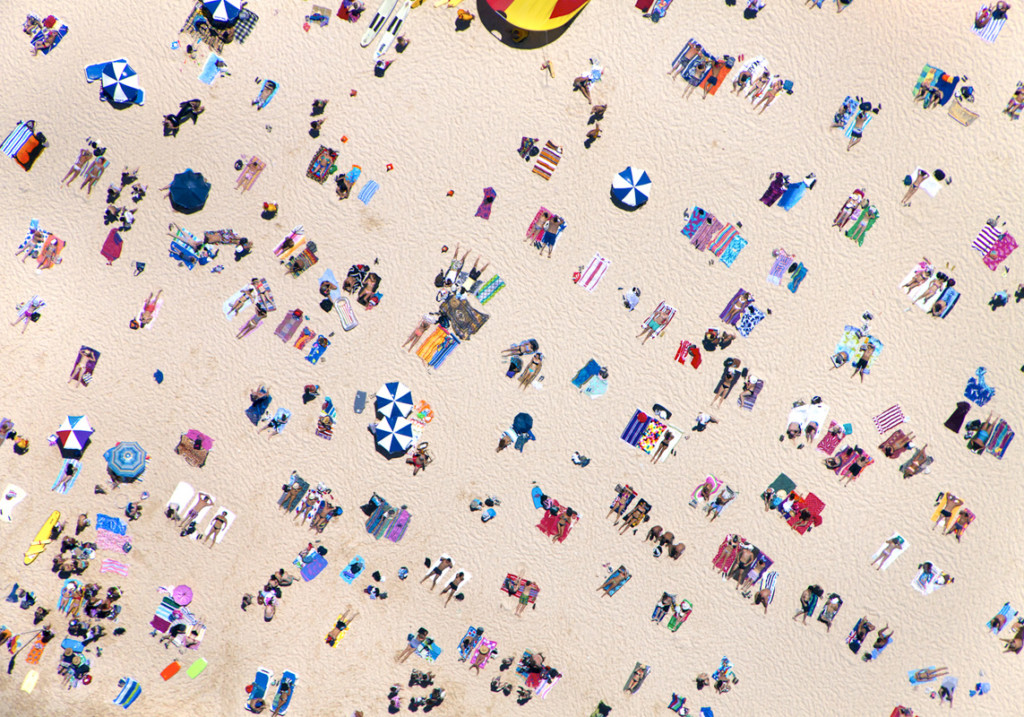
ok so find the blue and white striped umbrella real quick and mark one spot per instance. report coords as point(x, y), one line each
point(632, 187)
point(394, 400)
point(394, 436)
point(120, 83)
point(222, 10)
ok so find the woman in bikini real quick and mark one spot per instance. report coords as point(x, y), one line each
point(759, 85)
point(531, 371)
point(769, 96)
point(921, 176)
point(921, 275)
point(148, 308)
point(83, 158)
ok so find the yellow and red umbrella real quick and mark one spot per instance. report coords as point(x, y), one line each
point(538, 15)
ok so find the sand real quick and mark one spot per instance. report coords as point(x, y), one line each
point(449, 115)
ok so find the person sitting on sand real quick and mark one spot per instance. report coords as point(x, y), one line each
point(582, 85)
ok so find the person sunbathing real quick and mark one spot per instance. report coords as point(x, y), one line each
point(1015, 642)
point(770, 95)
point(655, 323)
point(202, 502)
point(738, 307)
point(963, 519)
point(93, 173)
point(531, 370)
point(613, 582)
point(441, 566)
point(523, 348)
point(1016, 103)
point(666, 440)
point(921, 275)
point(715, 508)
point(976, 442)
point(808, 599)
point(563, 525)
point(741, 81)
point(216, 525)
point(730, 375)
point(480, 659)
point(758, 86)
point(861, 364)
point(916, 464)
point(84, 156)
point(453, 586)
point(253, 322)
point(921, 176)
point(863, 460)
point(635, 517)
point(148, 308)
point(829, 611)
point(339, 627)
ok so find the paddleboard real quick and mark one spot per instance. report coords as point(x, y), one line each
point(42, 538)
point(383, 12)
point(537, 494)
point(394, 27)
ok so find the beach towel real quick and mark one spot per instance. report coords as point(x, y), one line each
point(313, 568)
point(925, 583)
point(747, 402)
point(697, 217)
point(793, 194)
point(1006, 611)
point(1000, 439)
point(109, 565)
point(469, 642)
point(66, 481)
point(930, 185)
point(490, 646)
point(62, 31)
point(591, 276)
point(659, 10)
point(797, 278)
point(354, 569)
point(536, 229)
point(484, 210)
point(961, 114)
point(651, 436)
point(915, 681)
point(768, 581)
point(111, 249)
point(986, 239)
point(705, 232)
point(261, 103)
point(245, 24)
point(889, 419)
point(318, 349)
point(401, 523)
point(490, 288)
point(646, 670)
point(16, 139)
point(716, 78)
point(621, 570)
point(548, 160)
point(950, 296)
point(781, 265)
point(852, 121)
point(717, 247)
point(715, 485)
point(751, 317)
point(210, 71)
point(116, 525)
point(368, 191)
point(990, 32)
point(1003, 247)
point(830, 441)
point(862, 224)
point(813, 505)
point(658, 328)
point(106, 540)
point(736, 245)
point(130, 691)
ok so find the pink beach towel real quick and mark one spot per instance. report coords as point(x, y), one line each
point(595, 271)
point(109, 565)
point(889, 419)
point(831, 441)
point(107, 540)
point(536, 229)
point(1003, 247)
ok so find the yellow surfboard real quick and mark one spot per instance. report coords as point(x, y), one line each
point(42, 538)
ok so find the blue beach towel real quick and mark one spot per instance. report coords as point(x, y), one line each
point(114, 525)
point(733, 250)
point(255, 411)
point(798, 276)
point(793, 194)
point(950, 296)
point(313, 568)
point(586, 373)
point(368, 191)
point(210, 71)
point(130, 691)
point(354, 569)
point(70, 483)
point(635, 428)
point(61, 32)
point(318, 350)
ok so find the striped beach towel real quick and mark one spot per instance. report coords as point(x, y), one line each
point(722, 240)
point(986, 239)
point(106, 540)
point(782, 263)
point(595, 271)
point(635, 428)
point(16, 140)
point(889, 419)
point(109, 565)
point(548, 160)
point(130, 691)
point(990, 32)
point(768, 581)
point(747, 402)
point(367, 192)
point(705, 232)
point(1000, 439)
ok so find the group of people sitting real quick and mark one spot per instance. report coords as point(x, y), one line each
point(270, 595)
point(123, 215)
point(74, 557)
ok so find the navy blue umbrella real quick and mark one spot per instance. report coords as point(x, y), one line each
point(522, 423)
point(120, 83)
point(189, 192)
point(631, 187)
point(223, 11)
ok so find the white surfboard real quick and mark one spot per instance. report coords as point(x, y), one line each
point(394, 27)
point(383, 12)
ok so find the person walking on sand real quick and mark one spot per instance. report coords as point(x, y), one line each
point(592, 135)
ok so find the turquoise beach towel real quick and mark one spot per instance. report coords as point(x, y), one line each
point(210, 71)
point(368, 191)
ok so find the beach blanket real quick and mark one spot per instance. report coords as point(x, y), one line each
point(464, 319)
point(548, 160)
point(651, 436)
point(111, 249)
point(16, 139)
point(1003, 247)
point(925, 583)
point(313, 568)
point(245, 24)
point(718, 245)
point(798, 276)
point(591, 276)
point(830, 441)
point(106, 540)
point(961, 114)
point(59, 34)
point(889, 419)
point(130, 691)
point(705, 231)
point(320, 166)
point(716, 78)
point(851, 343)
point(986, 239)
point(66, 481)
point(729, 306)
point(990, 32)
point(751, 317)
point(852, 122)
point(697, 217)
point(367, 192)
point(536, 229)
point(978, 391)
point(950, 296)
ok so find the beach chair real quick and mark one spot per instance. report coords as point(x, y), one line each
point(259, 687)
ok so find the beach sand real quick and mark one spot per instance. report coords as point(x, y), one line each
point(449, 115)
